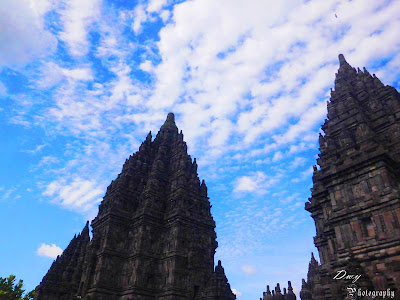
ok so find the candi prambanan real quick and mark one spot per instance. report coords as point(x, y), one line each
point(355, 200)
point(153, 238)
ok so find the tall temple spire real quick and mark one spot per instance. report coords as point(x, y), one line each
point(353, 197)
point(345, 74)
point(154, 234)
point(168, 131)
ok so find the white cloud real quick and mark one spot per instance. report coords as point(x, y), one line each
point(52, 74)
point(38, 148)
point(147, 66)
point(3, 89)
point(20, 120)
point(156, 5)
point(258, 182)
point(47, 160)
point(217, 70)
point(51, 251)
point(138, 18)
point(248, 269)
point(231, 89)
point(79, 195)
point(78, 74)
point(290, 198)
point(77, 18)
point(164, 15)
point(304, 175)
point(277, 156)
point(7, 193)
point(27, 38)
point(236, 292)
point(298, 161)
point(300, 147)
point(244, 228)
point(247, 184)
point(280, 193)
point(306, 122)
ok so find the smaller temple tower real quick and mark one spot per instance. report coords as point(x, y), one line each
point(276, 294)
point(62, 279)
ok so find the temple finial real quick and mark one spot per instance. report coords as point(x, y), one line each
point(85, 232)
point(342, 60)
point(195, 164)
point(277, 288)
point(149, 137)
point(171, 117)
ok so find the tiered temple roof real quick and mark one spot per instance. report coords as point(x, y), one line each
point(154, 236)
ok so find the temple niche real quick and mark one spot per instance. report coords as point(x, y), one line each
point(153, 238)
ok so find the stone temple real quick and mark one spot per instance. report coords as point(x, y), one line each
point(153, 238)
point(355, 200)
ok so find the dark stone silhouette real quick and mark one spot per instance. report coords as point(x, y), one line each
point(153, 238)
point(277, 295)
point(355, 199)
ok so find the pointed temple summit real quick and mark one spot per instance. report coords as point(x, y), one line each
point(355, 201)
point(153, 238)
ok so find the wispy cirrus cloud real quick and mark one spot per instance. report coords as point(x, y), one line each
point(304, 175)
point(77, 17)
point(257, 182)
point(79, 194)
point(27, 38)
point(249, 269)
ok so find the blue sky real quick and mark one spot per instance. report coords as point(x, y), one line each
point(82, 83)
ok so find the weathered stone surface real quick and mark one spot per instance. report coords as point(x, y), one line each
point(355, 199)
point(153, 238)
point(62, 280)
point(217, 287)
